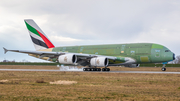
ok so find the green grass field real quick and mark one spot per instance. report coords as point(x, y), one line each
point(35, 86)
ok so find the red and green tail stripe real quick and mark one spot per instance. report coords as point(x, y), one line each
point(38, 33)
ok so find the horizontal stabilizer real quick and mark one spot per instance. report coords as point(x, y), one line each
point(5, 50)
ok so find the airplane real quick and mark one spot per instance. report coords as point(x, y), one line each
point(95, 56)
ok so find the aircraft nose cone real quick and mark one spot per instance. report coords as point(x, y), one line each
point(174, 56)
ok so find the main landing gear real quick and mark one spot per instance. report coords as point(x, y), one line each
point(163, 68)
point(96, 69)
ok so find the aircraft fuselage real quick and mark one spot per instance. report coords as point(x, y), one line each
point(141, 52)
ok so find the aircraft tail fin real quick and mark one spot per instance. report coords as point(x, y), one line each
point(5, 50)
point(38, 37)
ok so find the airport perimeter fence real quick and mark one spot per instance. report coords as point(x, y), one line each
point(55, 64)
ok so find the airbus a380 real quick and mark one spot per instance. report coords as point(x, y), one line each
point(95, 56)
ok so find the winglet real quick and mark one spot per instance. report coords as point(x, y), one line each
point(5, 50)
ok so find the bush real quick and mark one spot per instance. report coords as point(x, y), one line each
point(40, 81)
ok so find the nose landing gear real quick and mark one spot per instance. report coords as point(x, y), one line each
point(163, 68)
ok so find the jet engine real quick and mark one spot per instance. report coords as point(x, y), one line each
point(99, 62)
point(67, 59)
point(132, 65)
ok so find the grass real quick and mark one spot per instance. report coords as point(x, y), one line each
point(35, 86)
point(90, 86)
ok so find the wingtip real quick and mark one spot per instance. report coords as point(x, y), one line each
point(5, 50)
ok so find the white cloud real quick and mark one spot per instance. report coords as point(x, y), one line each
point(63, 39)
point(81, 22)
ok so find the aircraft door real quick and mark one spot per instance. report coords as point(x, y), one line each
point(157, 53)
point(122, 49)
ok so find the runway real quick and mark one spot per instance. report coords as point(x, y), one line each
point(47, 70)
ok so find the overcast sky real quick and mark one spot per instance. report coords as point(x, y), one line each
point(86, 22)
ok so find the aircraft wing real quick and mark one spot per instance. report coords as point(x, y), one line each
point(82, 59)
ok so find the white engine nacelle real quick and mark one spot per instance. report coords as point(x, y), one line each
point(99, 62)
point(67, 59)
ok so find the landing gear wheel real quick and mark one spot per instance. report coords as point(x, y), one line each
point(163, 69)
point(88, 69)
point(96, 69)
point(105, 69)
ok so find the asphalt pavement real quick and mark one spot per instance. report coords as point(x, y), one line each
point(48, 70)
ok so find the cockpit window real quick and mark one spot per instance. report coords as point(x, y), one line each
point(167, 51)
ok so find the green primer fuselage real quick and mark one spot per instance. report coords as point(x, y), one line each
point(141, 52)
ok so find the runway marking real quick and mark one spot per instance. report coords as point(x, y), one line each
point(46, 70)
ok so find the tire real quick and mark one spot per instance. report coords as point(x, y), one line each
point(163, 69)
point(107, 69)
